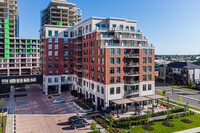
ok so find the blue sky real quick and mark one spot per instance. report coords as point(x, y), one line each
point(173, 26)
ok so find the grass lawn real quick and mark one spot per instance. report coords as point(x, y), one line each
point(159, 128)
point(4, 125)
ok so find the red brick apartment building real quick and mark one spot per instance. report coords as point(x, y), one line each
point(102, 58)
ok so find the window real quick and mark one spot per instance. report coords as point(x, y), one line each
point(144, 60)
point(117, 61)
point(56, 40)
point(56, 46)
point(102, 70)
point(114, 25)
point(49, 53)
point(98, 60)
point(112, 80)
point(112, 91)
point(49, 33)
point(112, 51)
point(56, 66)
point(50, 59)
point(65, 71)
point(98, 52)
point(144, 51)
point(112, 61)
point(132, 28)
point(102, 90)
point(118, 90)
point(118, 80)
point(50, 66)
point(50, 72)
point(65, 46)
point(65, 40)
point(65, 34)
point(98, 88)
point(102, 61)
point(102, 52)
point(49, 39)
point(102, 79)
point(149, 52)
point(56, 53)
point(144, 69)
point(149, 77)
point(56, 79)
point(144, 77)
point(149, 68)
point(50, 46)
point(49, 80)
point(149, 87)
point(118, 70)
point(112, 70)
point(144, 87)
point(56, 59)
point(56, 33)
point(149, 60)
point(66, 53)
point(92, 86)
point(127, 27)
point(117, 51)
point(121, 27)
point(62, 79)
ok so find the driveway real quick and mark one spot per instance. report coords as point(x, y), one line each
point(31, 123)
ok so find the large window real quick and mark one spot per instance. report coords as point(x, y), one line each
point(149, 52)
point(65, 34)
point(49, 46)
point(112, 80)
point(144, 69)
point(149, 60)
point(117, 61)
point(149, 68)
point(49, 80)
point(118, 90)
point(50, 33)
point(144, 60)
point(144, 51)
point(65, 40)
point(112, 70)
point(56, 46)
point(65, 53)
point(118, 80)
point(118, 70)
point(49, 53)
point(149, 87)
point(144, 87)
point(112, 91)
point(112, 61)
point(102, 90)
point(56, 33)
point(56, 79)
point(149, 77)
point(117, 51)
point(56, 53)
point(112, 51)
point(144, 77)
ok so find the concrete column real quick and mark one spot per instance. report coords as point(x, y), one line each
point(46, 90)
point(59, 89)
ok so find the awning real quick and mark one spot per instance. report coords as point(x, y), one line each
point(139, 99)
point(122, 101)
point(153, 97)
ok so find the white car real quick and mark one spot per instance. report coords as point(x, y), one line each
point(58, 101)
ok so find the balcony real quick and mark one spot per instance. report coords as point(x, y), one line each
point(131, 92)
point(78, 56)
point(79, 63)
point(131, 64)
point(79, 49)
point(131, 82)
point(128, 45)
point(131, 74)
point(78, 42)
point(136, 55)
point(79, 70)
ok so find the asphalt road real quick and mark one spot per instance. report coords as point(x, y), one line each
point(187, 96)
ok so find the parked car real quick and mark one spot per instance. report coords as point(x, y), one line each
point(58, 101)
point(20, 89)
point(79, 123)
point(74, 118)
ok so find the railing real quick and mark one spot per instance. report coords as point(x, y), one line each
point(128, 45)
point(132, 55)
point(131, 64)
point(132, 82)
point(131, 73)
point(131, 92)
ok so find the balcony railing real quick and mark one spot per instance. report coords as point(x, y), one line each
point(131, 73)
point(132, 82)
point(131, 64)
point(128, 45)
point(129, 92)
point(132, 55)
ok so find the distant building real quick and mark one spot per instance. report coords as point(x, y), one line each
point(180, 72)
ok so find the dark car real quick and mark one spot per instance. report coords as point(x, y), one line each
point(79, 123)
point(74, 118)
point(20, 89)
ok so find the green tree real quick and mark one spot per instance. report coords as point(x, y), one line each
point(186, 107)
point(169, 112)
point(149, 114)
point(164, 92)
point(179, 99)
point(2, 103)
point(93, 126)
point(111, 120)
point(190, 83)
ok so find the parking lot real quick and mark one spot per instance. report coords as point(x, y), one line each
point(36, 113)
point(37, 103)
point(46, 124)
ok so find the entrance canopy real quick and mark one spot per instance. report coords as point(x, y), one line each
point(137, 99)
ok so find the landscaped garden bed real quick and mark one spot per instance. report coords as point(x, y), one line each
point(148, 128)
point(186, 121)
point(167, 124)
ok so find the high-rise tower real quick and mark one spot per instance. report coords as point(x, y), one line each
point(61, 12)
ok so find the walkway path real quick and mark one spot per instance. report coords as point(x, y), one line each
point(193, 130)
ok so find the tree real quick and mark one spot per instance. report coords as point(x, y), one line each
point(190, 83)
point(169, 112)
point(93, 126)
point(148, 115)
point(111, 120)
point(2, 103)
point(164, 92)
point(179, 99)
point(186, 107)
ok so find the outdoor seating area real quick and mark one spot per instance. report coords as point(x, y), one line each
point(137, 106)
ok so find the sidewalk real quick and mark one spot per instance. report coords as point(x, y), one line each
point(193, 130)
